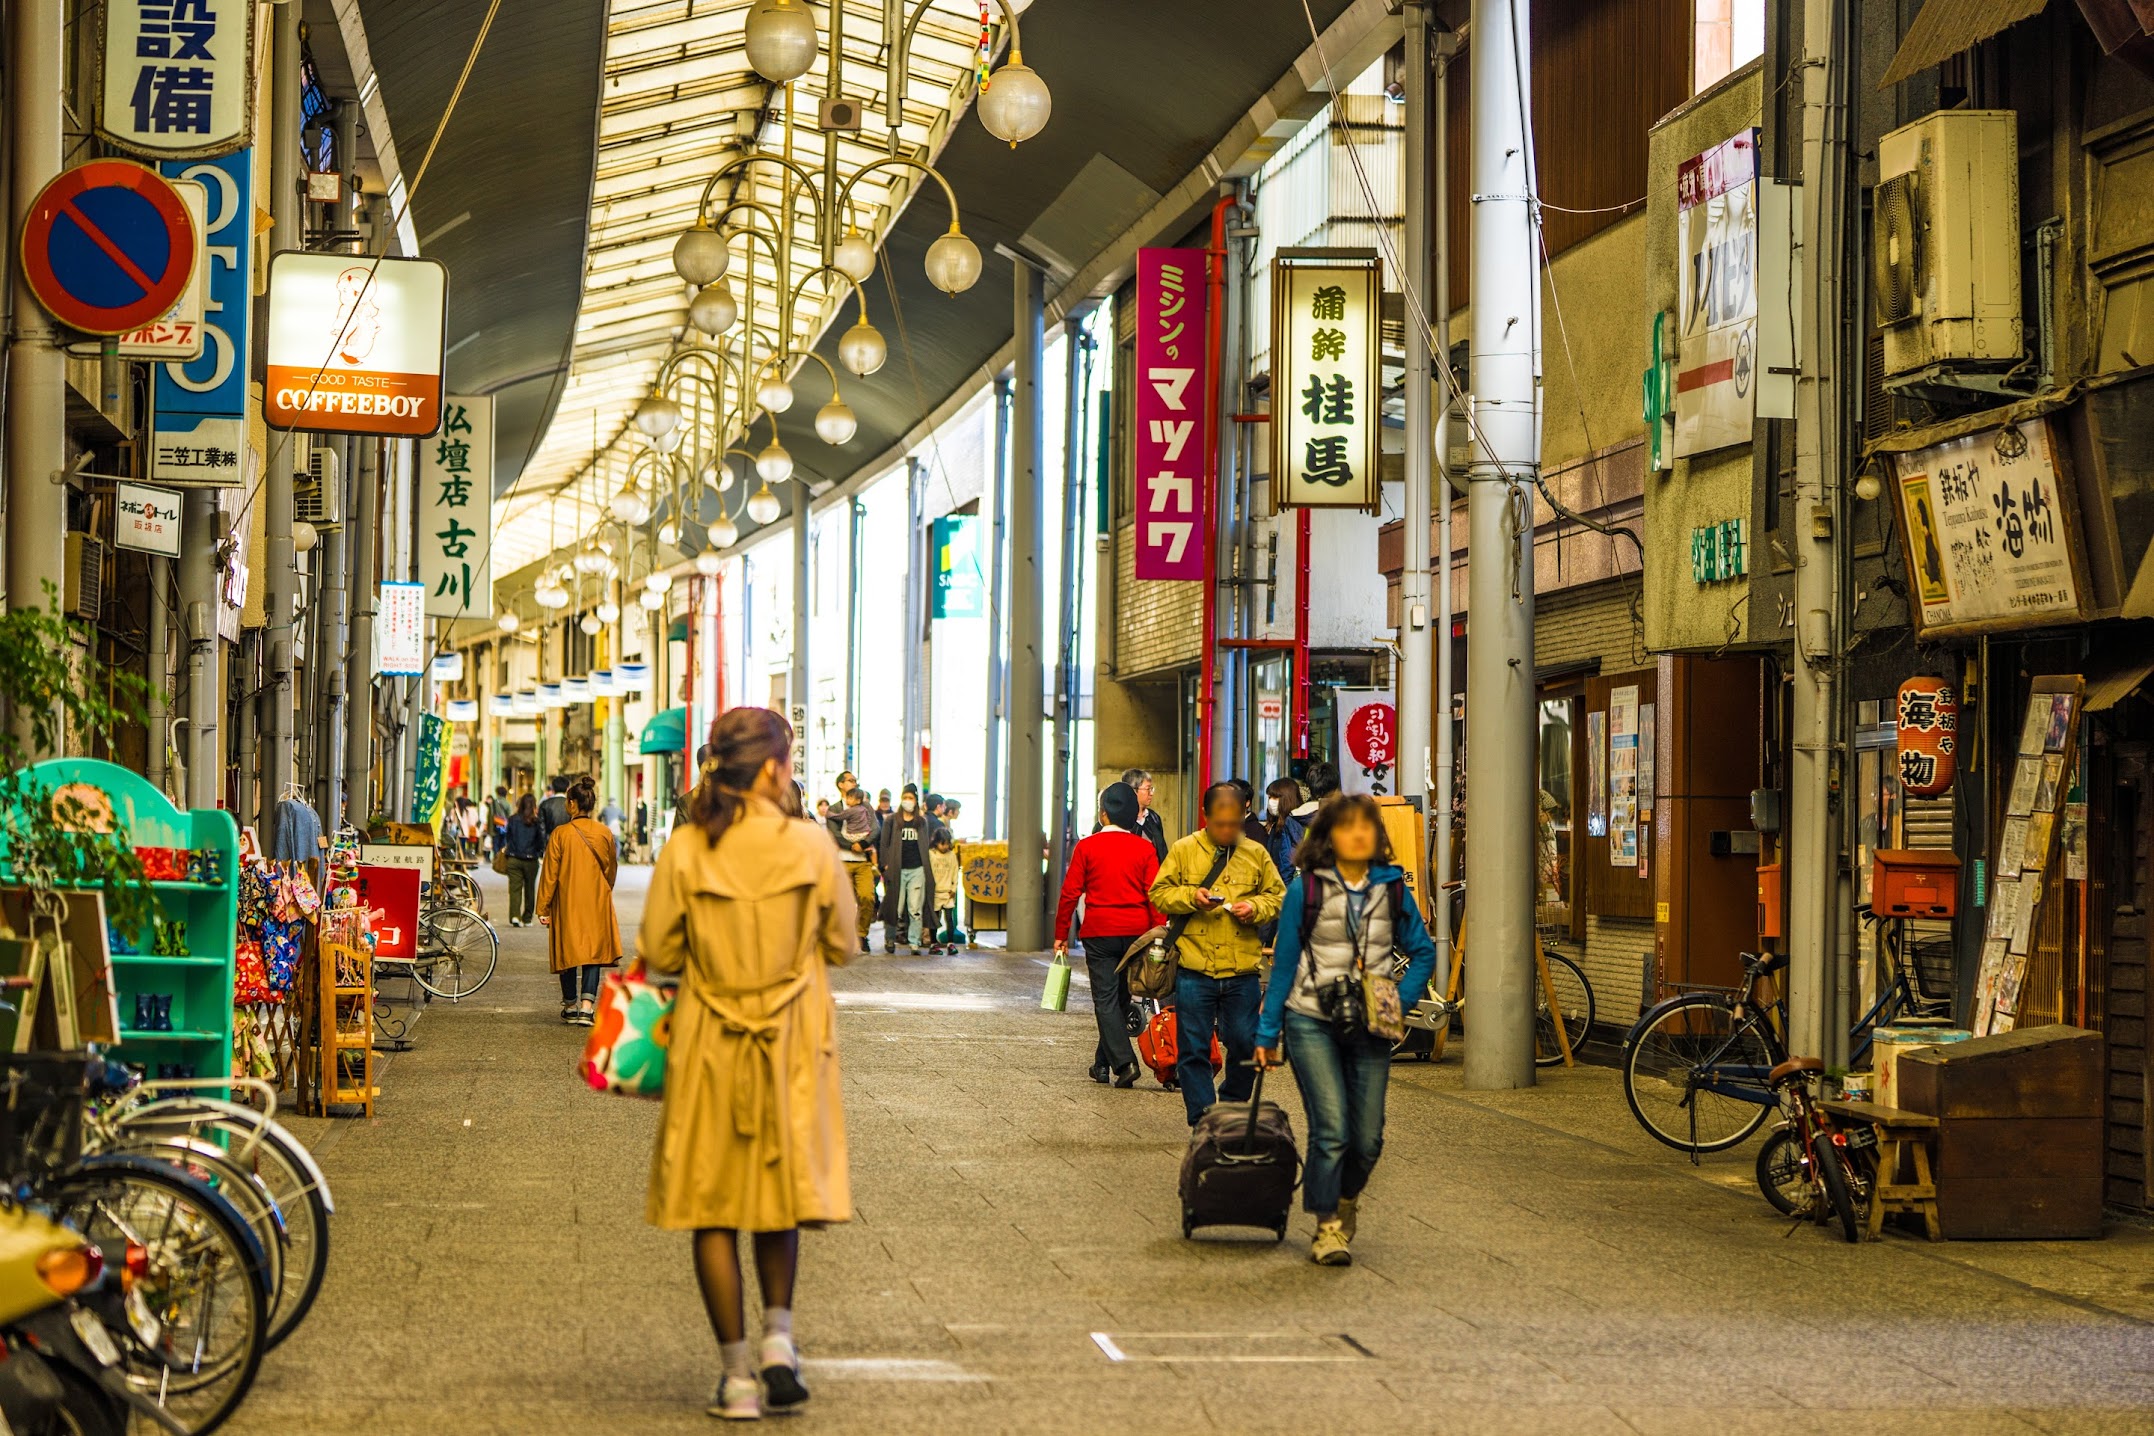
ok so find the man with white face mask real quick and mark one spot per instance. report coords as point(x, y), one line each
point(908, 882)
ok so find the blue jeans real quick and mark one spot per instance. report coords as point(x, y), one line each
point(912, 899)
point(1204, 1005)
point(1342, 1085)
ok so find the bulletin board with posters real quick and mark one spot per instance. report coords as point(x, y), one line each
point(1615, 853)
point(2021, 975)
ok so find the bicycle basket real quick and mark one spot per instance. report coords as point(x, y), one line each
point(1930, 965)
point(42, 1100)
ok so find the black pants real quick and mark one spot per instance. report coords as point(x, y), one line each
point(1110, 999)
point(579, 982)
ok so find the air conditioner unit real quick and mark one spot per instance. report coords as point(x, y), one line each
point(83, 595)
point(1945, 242)
point(316, 499)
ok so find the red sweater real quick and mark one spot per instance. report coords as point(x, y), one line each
point(1112, 871)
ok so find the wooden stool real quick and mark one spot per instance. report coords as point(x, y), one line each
point(1898, 1132)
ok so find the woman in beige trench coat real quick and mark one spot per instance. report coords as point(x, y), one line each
point(749, 902)
point(575, 901)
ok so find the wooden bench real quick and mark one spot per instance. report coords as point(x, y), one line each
point(1899, 1133)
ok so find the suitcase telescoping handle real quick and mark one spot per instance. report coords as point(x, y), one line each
point(1256, 1104)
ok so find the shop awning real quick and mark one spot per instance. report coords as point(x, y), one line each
point(1944, 28)
point(665, 733)
point(2107, 689)
point(677, 631)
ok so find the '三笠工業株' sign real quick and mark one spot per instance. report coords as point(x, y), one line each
point(1326, 407)
point(355, 344)
point(456, 507)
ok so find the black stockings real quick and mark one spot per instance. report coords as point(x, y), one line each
point(777, 1258)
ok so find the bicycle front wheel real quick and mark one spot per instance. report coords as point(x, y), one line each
point(457, 953)
point(1695, 1076)
point(1574, 1002)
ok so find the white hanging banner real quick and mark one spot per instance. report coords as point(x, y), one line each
point(178, 76)
point(400, 630)
point(456, 510)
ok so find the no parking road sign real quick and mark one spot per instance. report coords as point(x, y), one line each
point(108, 247)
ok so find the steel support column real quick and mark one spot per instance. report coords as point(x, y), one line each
point(279, 561)
point(1443, 792)
point(994, 819)
point(798, 688)
point(1415, 684)
point(198, 604)
point(1027, 919)
point(359, 667)
point(36, 368)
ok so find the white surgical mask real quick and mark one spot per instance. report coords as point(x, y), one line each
point(907, 805)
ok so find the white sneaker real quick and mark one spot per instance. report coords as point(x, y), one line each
point(738, 1398)
point(1349, 1208)
point(1329, 1248)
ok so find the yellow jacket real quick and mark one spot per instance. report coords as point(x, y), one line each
point(1216, 943)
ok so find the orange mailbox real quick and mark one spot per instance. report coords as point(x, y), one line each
point(1772, 902)
point(1914, 882)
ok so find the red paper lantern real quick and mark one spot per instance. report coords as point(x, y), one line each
point(1927, 713)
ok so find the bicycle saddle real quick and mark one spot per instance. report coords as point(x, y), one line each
point(1794, 1067)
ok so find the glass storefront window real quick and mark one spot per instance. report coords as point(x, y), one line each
point(1557, 869)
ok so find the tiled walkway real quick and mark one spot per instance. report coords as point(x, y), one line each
point(1529, 1262)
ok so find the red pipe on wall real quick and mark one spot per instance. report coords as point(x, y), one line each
point(1301, 633)
point(1215, 276)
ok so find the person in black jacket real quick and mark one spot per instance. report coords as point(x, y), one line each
point(908, 880)
point(1148, 825)
point(523, 845)
point(554, 811)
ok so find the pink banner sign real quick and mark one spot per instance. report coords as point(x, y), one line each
point(1171, 401)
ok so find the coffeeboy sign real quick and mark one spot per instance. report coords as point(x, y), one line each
point(355, 344)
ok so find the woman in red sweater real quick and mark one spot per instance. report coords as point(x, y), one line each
point(1112, 870)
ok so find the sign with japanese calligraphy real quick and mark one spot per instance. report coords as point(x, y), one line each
point(355, 344)
point(1717, 296)
point(1989, 525)
point(1719, 552)
point(1369, 736)
point(1927, 717)
point(200, 428)
point(427, 792)
point(1170, 411)
point(400, 630)
point(146, 519)
point(456, 510)
point(1326, 404)
point(178, 76)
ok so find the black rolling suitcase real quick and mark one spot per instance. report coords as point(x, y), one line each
point(1242, 1166)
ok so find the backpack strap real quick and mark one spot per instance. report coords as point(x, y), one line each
point(1312, 903)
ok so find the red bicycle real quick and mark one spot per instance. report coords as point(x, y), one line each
point(1809, 1166)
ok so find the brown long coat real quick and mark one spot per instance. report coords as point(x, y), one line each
point(576, 892)
point(753, 1134)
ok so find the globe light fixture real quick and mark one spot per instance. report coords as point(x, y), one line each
point(658, 415)
point(630, 507)
point(699, 255)
point(781, 39)
point(667, 442)
point(304, 536)
point(709, 562)
point(861, 348)
point(774, 394)
point(550, 595)
point(775, 466)
point(652, 599)
point(658, 582)
point(588, 559)
point(589, 624)
point(1866, 486)
point(855, 256)
point(723, 533)
point(608, 611)
point(564, 574)
point(836, 423)
point(509, 622)
point(953, 262)
point(763, 505)
point(669, 533)
point(714, 309)
point(1014, 103)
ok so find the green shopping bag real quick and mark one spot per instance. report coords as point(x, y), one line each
point(1056, 998)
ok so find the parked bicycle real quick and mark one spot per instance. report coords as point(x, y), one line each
point(1811, 1167)
point(1562, 997)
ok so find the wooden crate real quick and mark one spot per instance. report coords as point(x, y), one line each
point(2019, 1138)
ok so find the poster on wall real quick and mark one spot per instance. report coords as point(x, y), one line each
point(1169, 414)
point(1717, 296)
point(400, 630)
point(1326, 412)
point(1369, 737)
point(1991, 532)
point(456, 510)
point(1623, 776)
point(355, 344)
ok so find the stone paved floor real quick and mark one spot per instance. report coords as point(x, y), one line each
point(1529, 1262)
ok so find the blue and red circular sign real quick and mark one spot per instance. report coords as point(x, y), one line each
point(108, 247)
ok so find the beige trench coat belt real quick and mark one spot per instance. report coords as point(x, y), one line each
point(755, 1065)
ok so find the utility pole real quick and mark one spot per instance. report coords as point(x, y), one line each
point(1443, 792)
point(359, 672)
point(1815, 1027)
point(993, 819)
point(36, 369)
point(281, 579)
point(199, 600)
point(1500, 808)
point(797, 689)
point(1415, 685)
point(1027, 914)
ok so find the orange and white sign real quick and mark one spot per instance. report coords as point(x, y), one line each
point(355, 344)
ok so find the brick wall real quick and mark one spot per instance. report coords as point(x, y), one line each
point(1156, 625)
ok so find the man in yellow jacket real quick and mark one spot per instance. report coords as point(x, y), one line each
point(1217, 987)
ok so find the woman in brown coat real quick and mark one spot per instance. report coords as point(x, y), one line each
point(750, 903)
point(575, 901)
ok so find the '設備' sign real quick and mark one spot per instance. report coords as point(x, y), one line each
point(178, 76)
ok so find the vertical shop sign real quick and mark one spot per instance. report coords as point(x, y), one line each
point(1926, 721)
point(1623, 777)
point(400, 630)
point(456, 511)
point(1326, 409)
point(178, 76)
point(1717, 296)
point(355, 344)
point(426, 786)
point(1170, 413)
point(1991, 532)
point(200, 428)
point(1369, 732)
point(956, 542)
